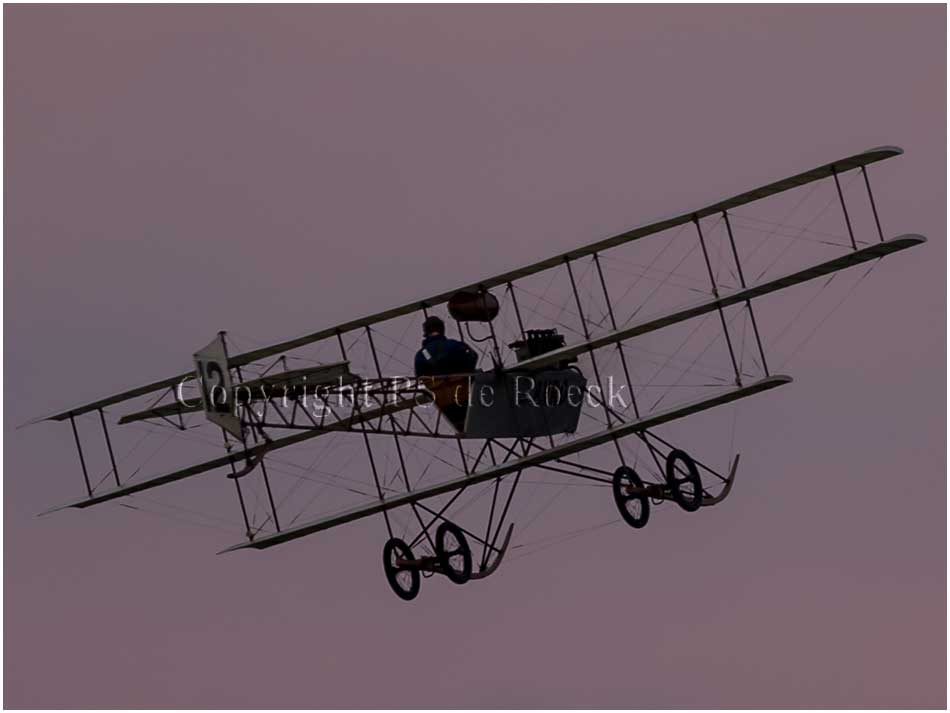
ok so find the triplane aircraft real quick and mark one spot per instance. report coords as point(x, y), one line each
point(564, 345)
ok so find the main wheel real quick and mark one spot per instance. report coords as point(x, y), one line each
point(634, 508)
point(453, 553)
point(404, 580)
point(687, 490)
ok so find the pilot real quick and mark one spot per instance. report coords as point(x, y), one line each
point(440, 355)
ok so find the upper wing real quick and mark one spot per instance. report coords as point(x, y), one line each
point(238, 360)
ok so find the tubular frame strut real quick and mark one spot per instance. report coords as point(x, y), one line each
point(719, 309)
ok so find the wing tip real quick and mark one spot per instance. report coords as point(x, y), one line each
point(909, 239)
point(889, 150)
point(40, 419)
point(53, 509)
point(235, 548)
point(74, 504)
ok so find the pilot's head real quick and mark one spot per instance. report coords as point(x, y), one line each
point(433, 326)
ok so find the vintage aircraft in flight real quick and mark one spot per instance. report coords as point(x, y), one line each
point(576, 354)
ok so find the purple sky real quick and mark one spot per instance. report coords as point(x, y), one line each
point(171, 171)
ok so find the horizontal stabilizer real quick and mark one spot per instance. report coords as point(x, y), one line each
point(296, 382)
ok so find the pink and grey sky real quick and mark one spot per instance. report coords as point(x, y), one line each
point(173, 170)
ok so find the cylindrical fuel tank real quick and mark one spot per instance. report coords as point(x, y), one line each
point(471, 306)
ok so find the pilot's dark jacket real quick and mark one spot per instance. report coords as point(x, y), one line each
point(440, 355)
